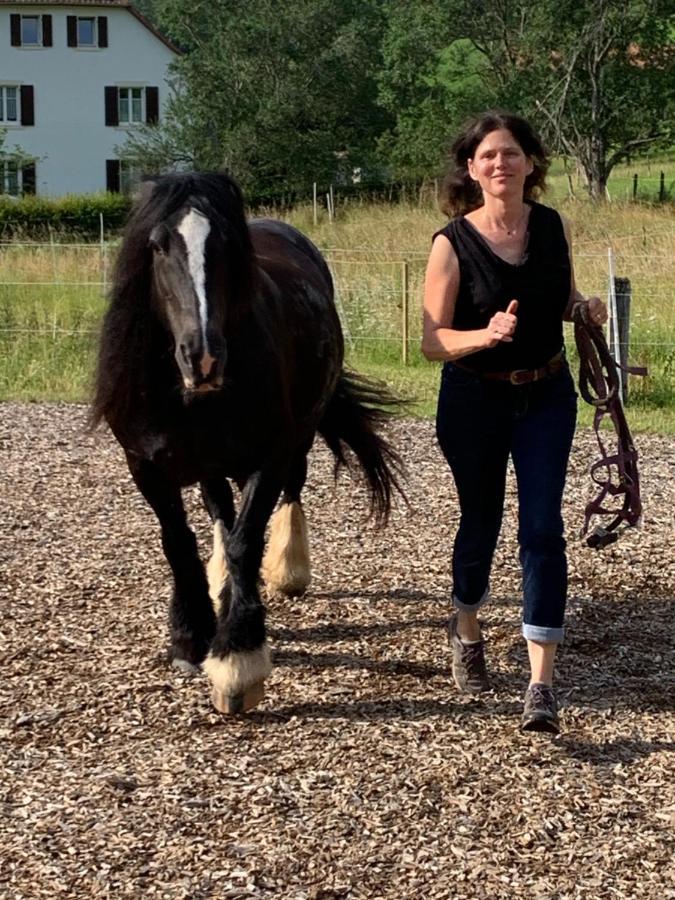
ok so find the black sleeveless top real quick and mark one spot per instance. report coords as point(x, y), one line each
point(540, 283)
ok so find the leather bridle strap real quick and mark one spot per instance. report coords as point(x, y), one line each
point(616, 474)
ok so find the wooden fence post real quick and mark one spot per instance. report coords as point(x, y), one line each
point(662, 187)
point(622, 291)
point(635, 184)
point(405, 301)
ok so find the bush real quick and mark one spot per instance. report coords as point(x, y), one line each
point(77, 215)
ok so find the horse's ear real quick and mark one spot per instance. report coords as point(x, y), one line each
point(159, 238)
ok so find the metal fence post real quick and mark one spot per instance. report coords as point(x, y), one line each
point(405, 302)
point(622, 291)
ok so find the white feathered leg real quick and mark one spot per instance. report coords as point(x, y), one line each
point(286, 567)
point(216, 570)
point(237, 679)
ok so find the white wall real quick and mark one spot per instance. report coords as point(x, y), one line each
point(70, 138)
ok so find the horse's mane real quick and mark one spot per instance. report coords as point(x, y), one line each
point(133, 352)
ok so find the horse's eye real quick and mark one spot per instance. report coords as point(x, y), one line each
point(159, 239)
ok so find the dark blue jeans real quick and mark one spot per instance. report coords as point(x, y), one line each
point(480, 423)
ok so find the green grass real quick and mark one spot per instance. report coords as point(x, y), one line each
point(48, 325)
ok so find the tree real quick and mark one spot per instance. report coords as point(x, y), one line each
point(431, 79)
point(279, 94)
point(595, 75)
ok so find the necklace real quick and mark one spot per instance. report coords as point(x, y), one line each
point(500, 226)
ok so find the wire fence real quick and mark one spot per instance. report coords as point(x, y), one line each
point(52, 298)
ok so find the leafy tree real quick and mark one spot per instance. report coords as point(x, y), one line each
point(279, 94)
point(595, 75)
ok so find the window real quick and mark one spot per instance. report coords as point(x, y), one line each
point(17, 104)
point(30, 31)
point(9, 103)
point(10, 178)
point(122, 176)
point(16, 179)
point(130, 106)
point(86, 32)
point(130, 175)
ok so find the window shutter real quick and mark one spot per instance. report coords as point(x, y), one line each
point(112, 175)
point(46, 31)
point(112, 113)
point(152, 105)
point(71, 23)
point(28, 178)
point(15, 29)
point(103, 31)
point(27, 105)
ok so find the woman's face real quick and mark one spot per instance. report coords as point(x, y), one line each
point(499, 165)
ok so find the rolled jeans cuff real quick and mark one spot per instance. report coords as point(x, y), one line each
point(471, 607)
point(542, 634)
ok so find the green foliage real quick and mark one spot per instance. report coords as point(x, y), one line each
point(78, 215)
point(13, 154)
point(279, 94)
point(595, 75)
point(431, 79)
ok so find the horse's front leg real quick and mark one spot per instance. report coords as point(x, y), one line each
point(217, 497)
point(192, 619)
point(239, 659)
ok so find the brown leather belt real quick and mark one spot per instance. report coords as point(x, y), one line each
point(520, 376)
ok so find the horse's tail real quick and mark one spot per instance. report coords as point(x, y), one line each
point(353, 419)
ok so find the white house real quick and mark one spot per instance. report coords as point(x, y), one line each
point(74, 78)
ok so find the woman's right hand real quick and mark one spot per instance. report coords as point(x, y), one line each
point(502, 325)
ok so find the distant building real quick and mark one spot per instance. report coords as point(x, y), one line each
point(74, 78)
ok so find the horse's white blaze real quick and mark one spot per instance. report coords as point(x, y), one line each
point(216, 569)
point(286, 564)
point(238, 670)
point(195, 229)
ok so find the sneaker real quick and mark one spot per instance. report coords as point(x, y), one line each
point(540, 712)
point(468, 662)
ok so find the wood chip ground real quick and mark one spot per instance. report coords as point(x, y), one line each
point(363, 774)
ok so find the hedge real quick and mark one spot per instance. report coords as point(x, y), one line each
point(77, 215)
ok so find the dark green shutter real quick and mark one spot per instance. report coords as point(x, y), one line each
point(71, 24)
point(152, 105)
point(112, 112)
point(103, 31)
point(46, 31)
point(112, 175)
point(27, 104)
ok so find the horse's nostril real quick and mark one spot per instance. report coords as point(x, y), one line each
point(206, 364)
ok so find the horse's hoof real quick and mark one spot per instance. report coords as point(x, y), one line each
point(231, 704)
point(182, 665)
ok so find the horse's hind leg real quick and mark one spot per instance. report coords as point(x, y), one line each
point(192, 621)
point(217, 496)
point(286, 566)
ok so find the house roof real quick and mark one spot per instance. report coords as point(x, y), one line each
point(125, 4)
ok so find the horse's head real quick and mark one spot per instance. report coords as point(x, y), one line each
point(189, 288)
point(200, 254)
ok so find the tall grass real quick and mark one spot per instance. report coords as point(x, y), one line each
point(52, 297)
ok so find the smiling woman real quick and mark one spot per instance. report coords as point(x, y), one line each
point(499, 283)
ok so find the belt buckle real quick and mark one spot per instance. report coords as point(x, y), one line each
point(514, 376)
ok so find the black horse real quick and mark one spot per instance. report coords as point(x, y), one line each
point(221, 356)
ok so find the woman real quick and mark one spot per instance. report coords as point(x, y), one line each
point(499, 283)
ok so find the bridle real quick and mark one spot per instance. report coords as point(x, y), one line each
point(615, 474)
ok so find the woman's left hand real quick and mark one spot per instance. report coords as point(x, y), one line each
point(597, 311)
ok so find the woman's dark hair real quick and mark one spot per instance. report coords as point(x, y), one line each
point(460, 193)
